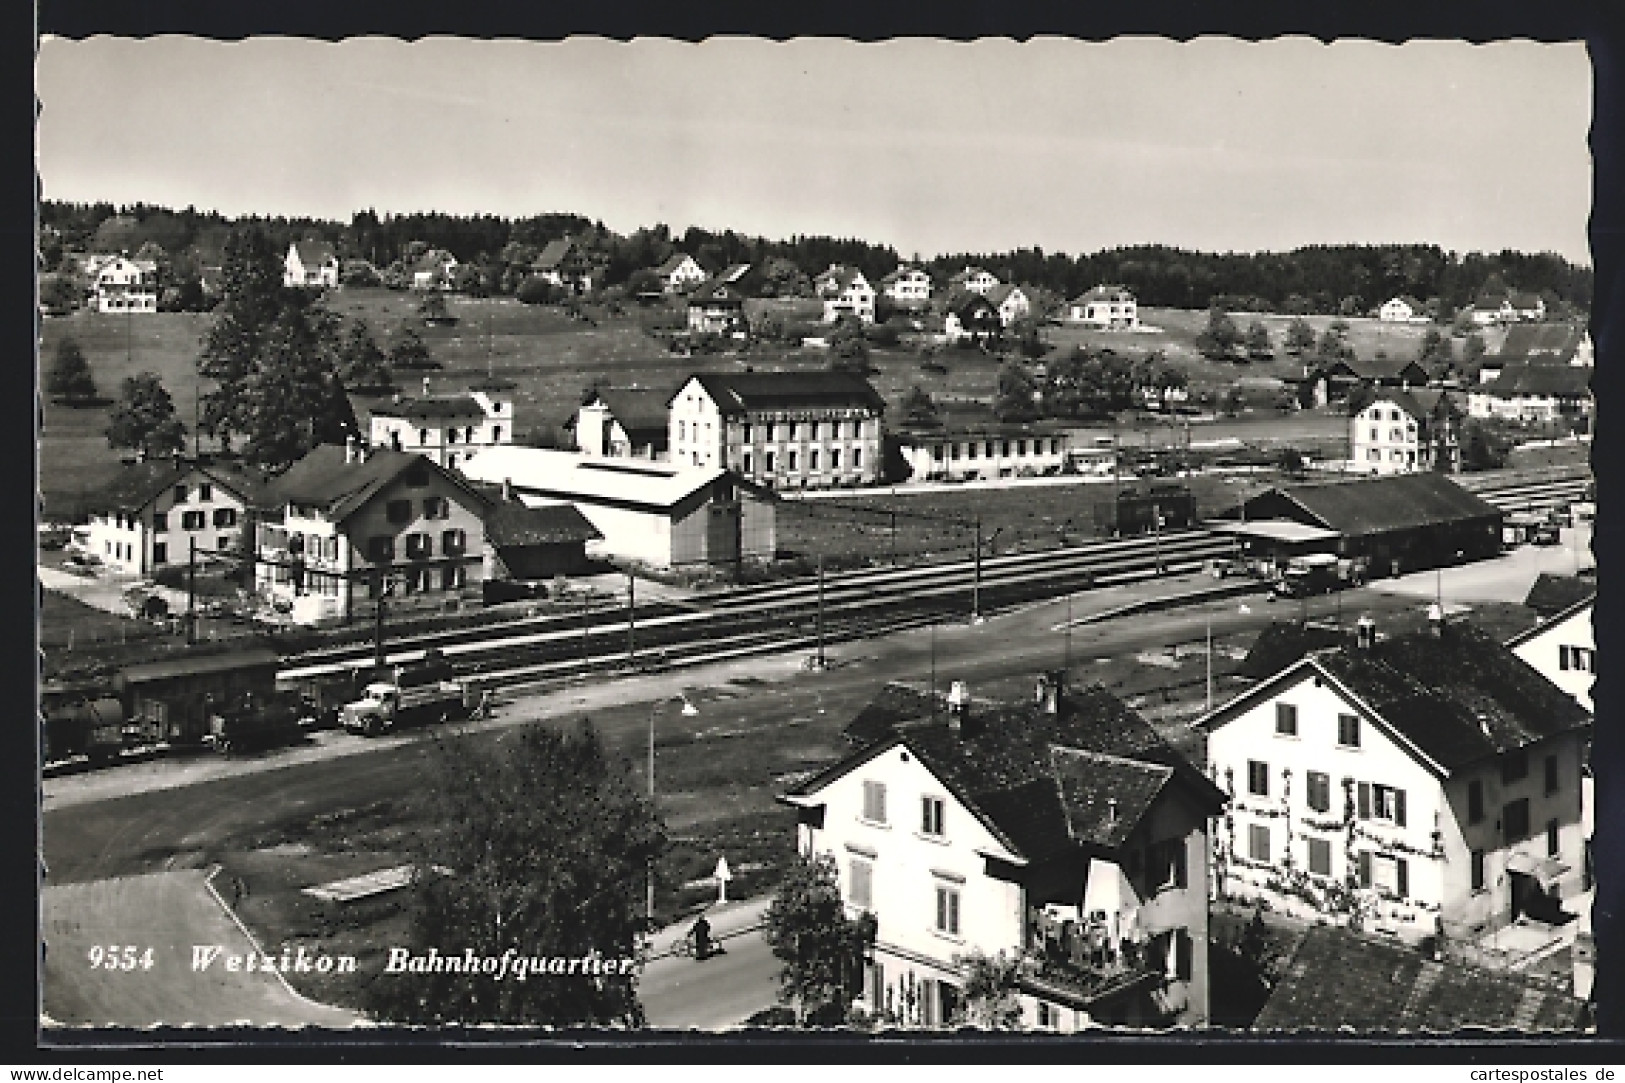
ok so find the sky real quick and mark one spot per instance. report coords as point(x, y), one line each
point(930, 146)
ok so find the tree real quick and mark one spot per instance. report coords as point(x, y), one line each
point(1333, 344)
point(57, 293)
point(433, 307)
point(1014, 400)
point(1259, 347)
point(1438, 353)
point(1480, 449)
point(296, 400)
point(782, 278)
point(252, 299)
point(362, 365)
point(144, 418)
point(411, 353)
point(358, 273)
point(643, 281)
point(537, 290)
point(70, 380)
point(1299, 337)
point(990, 1001)
point(546, 845)
point(1218, 341)
point(820, 949)
point(849, 347)
point(918, 409)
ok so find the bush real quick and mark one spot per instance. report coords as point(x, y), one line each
point(536, 290)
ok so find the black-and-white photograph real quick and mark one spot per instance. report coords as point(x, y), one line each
point(1048, 536)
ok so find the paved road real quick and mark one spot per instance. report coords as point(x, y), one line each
point(679, 992)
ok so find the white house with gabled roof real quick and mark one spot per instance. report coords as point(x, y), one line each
point(1563, 648)
point(311, 264)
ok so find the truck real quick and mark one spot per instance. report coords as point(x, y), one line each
point(401, 695)
point(81, 724)
point(249, 721)
point(1318, 573)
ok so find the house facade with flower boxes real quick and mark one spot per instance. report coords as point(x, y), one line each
point(1421, 784)
point(1063, 834)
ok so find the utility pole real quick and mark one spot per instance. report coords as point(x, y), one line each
point(976, 576)
point(818, 662)
point(894, 538)
point(586, 615)
point(1066, 664)
point(1156, 526)
point(933, 670)
point(1209, 700)
point(631, 618)
point(378, 626)
point(191, 590)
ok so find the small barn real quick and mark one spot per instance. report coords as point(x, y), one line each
point(537, 542)
point(1401, 522)
point(169, 699)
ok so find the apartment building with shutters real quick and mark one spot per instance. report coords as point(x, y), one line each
point(1063, 833)
point(1421, 783)
point(159, 512)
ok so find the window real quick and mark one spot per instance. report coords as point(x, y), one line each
point(931, 812)
point(1391, 874)
point(496, 434)
point(1374, 435)
point(792, 463)
point(1475, 802)
point(1515, 766)
point(746, 432)
point(160, 521)
point(1258, 842)
point(1579, 659)
point(225, 517)
point(947, 910)
point(380, 547)
point(1515, 820)
point(453, 576)
point(160, 553)
point(772, 431)
point(874, 802)
point(1479, 880)
point(857, 458)
point(1373, 454)
point(436, 507)
point(468, 434)
point(1049, 1016)
point(1318, 792)
point(862, 872)
point(1258, 778)
point(1551, 775)
point(223, 542)
point(451, 436)
point(794, 428)
point(972, 448)
point(682, 430)
point(419, 547)
point(1388, 804)
point(191, 520)
point(1167, 865)
point(398, 511)
point(769, 462)
point(1363, 868)
point(205, 493)
point(180, 494)
point(1551, 838)
point(1320, 857)
point(834, 458)
point(812, 459)
point(747, 462)
point(1348, 730)
point(1286, 719)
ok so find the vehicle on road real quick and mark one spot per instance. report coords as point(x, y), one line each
point(1318, 573)
point(426, 691)
point(247, 722)
point(81, 723)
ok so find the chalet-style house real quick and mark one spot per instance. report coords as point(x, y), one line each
point(970, 316)
point(716, 308)
point(1401, 432)
point(796, 430)
point(1563, 646)
point(1508, 308)
point(1429, 783)
point(660, 515)
point(907, 287)
point(845, 292)
point(353, 523)
point(680, 273)
point(1112, 307)
point(1335, 381)
point(568, 264)
point(1064, 833)
point(1011, 302)
point(973, 279)
point(449, 429)
point(311, 265)
point(127, 285)
point(158, 512)
point(1539, 394)
point(1402, 310)
point(622, 423)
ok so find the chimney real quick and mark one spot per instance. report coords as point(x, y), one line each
point(958, 706)
point(1365, 633)
point(1436, 620)
point(349, 449)
point(425, 387)
point(507, 490)
point(1111, 810)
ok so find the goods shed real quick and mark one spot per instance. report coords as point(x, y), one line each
point(1400, 523)
point(170, 699)
point(537, 542)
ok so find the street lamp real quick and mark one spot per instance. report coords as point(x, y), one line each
point(688, 711)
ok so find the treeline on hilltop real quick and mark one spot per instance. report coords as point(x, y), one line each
point(1325, 279)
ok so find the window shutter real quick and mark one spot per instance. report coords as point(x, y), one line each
point(1365, 800)
point(1399, 808)
point(1179, 863)
point(925, 815)
point(1183, 949)
point(1365, 868)
point(1402, 877)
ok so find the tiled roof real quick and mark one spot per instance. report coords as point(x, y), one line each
point(543, 476)
point(1553, 593)
point(838, 279)
point(1109, 294)
point(554, 254)
point(717, 293)
point(1422, 403)
point(1339, 979)
point(1104, 797)
point(196, 664)
point(1527, 301)
point(1283, 643)
point(314, 253)
point(1458, 695)
point(1377, 505)
point(733, 273)
point(641, 411)
point(1526, 379)
point(1536, 339)
point(674, 261)
point(737, 392)
point(138, 484)
point(431, 408)
point(323, 478)
point(971, 306)
point(546, 524)
point(1388, 368)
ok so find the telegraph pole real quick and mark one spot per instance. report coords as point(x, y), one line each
point(894, 538)
point(976, 576)
point(818, 662)
point(586, 614)
point(191, 590)
point(378, 625)
point(631, 618)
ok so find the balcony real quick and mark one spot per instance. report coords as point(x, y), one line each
point(1084, 961)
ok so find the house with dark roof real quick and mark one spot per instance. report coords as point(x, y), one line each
point(157, 512)
point(312, 264)
point(1551, 594)
point(680, 273)
point(1399, 522)
point(570, 265)
point(716, 308)
point(1542, 343)
point(1336, 381)
point(1401, 431)
point(622, 423)
point(1013, 303)
point(845, 292)
point(450, 428)
point(122, 284)
point(1563, 644)
point(1537, 394)
point(1527, 306)
point(354, 524)
point(1421, 783)
point(1064, 833)
point(971, 316)
point(536, 541)
point(1105, 306)
point(801, 430)
point(973, 279)
point(1338, 979)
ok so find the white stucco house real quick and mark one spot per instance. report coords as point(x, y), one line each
point(845, 292)
point(1106, 306)
point(156, 513)
point(1563, 648)
point(311, 264)
point(450, 429)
